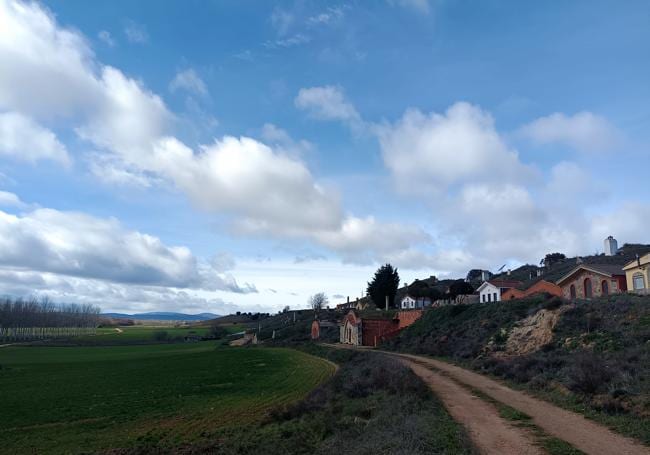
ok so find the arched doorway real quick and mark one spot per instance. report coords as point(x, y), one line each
point(604, 288)
point(587, 288)
point(572, 290)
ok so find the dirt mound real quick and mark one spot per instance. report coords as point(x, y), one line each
point(530, 334)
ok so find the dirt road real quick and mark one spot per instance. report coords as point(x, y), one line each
point(488, 431)
point(492, 434)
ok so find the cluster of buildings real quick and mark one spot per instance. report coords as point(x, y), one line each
point(614, 272)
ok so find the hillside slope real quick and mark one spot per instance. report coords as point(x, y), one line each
point(593, 357)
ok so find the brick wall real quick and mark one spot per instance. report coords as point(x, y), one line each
point(406, 318)
point(374, 330)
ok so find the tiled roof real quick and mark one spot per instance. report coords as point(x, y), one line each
point(505, 283)
point(604, 269)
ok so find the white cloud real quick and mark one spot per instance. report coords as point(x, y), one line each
point(583, 131)
point(46, 71)
point(365, 240)
point(189, 81)
point(328, 103)
point(111, 170)
point(110, 296)
point(243, 176)
point(280, 139)
point(79, 245)
point(429, 153)
point(106, 38)
point(52, 73)
point(135, 33)
point(23, 139)
point(8, 199)
point(49, 72)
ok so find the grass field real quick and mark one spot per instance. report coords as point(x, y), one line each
point(73, 399)
point(137, 334)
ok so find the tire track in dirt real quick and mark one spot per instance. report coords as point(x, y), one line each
point(583, 434)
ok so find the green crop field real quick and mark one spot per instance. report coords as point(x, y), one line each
point(72, 399)
point(137, 333)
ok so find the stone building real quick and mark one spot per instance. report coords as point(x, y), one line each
point(593, 280)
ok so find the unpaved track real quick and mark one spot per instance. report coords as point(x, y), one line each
point(490, 433)
point(481, 418)
point(581, 433)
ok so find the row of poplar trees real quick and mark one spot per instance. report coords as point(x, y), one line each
point(34, 319)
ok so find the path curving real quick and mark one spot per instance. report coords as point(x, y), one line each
point(494, 435)
point(582, 433)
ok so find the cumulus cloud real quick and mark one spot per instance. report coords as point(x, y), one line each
point(584, 131)
point(189, 81)
point(243, 176)
point(111, 170)
point(50, 72)
point(8, 199)
point(366, 240)
point(280, 139)
point(110, 296)
point(23, 139)
point(428, 153)
point(328, 103)
point(80, 245)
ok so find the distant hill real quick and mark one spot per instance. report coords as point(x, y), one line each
point(163, 316)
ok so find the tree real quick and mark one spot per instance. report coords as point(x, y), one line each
point(384, 283)
point(286, 309)
point(551, 259)
point(460, 287)
point(318, 301)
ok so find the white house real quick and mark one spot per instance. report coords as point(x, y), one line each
point(490, 291)
point(409, 302)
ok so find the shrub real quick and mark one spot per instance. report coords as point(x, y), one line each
point(589, 374)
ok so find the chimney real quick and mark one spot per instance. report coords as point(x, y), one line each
point(508, 272)
point(348, 299)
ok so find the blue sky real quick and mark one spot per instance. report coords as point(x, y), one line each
point(214, 156)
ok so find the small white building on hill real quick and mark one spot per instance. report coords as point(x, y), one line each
point(490, 291)
point(411, 303)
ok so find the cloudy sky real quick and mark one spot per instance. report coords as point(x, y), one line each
point(242, 155)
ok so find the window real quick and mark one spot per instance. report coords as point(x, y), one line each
point(489, 297)
point(604, 288)
point(638, 282)
point(495, 296)
point(587, 286)
point(484, 298)
point(572, 290)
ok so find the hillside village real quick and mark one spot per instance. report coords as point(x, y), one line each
point(615, 271)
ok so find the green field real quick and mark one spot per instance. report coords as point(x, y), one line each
point(137, 333)
point(72, 399)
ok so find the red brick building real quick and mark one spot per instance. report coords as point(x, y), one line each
point(372, 330)
point(539, 287)
point(593, 280)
